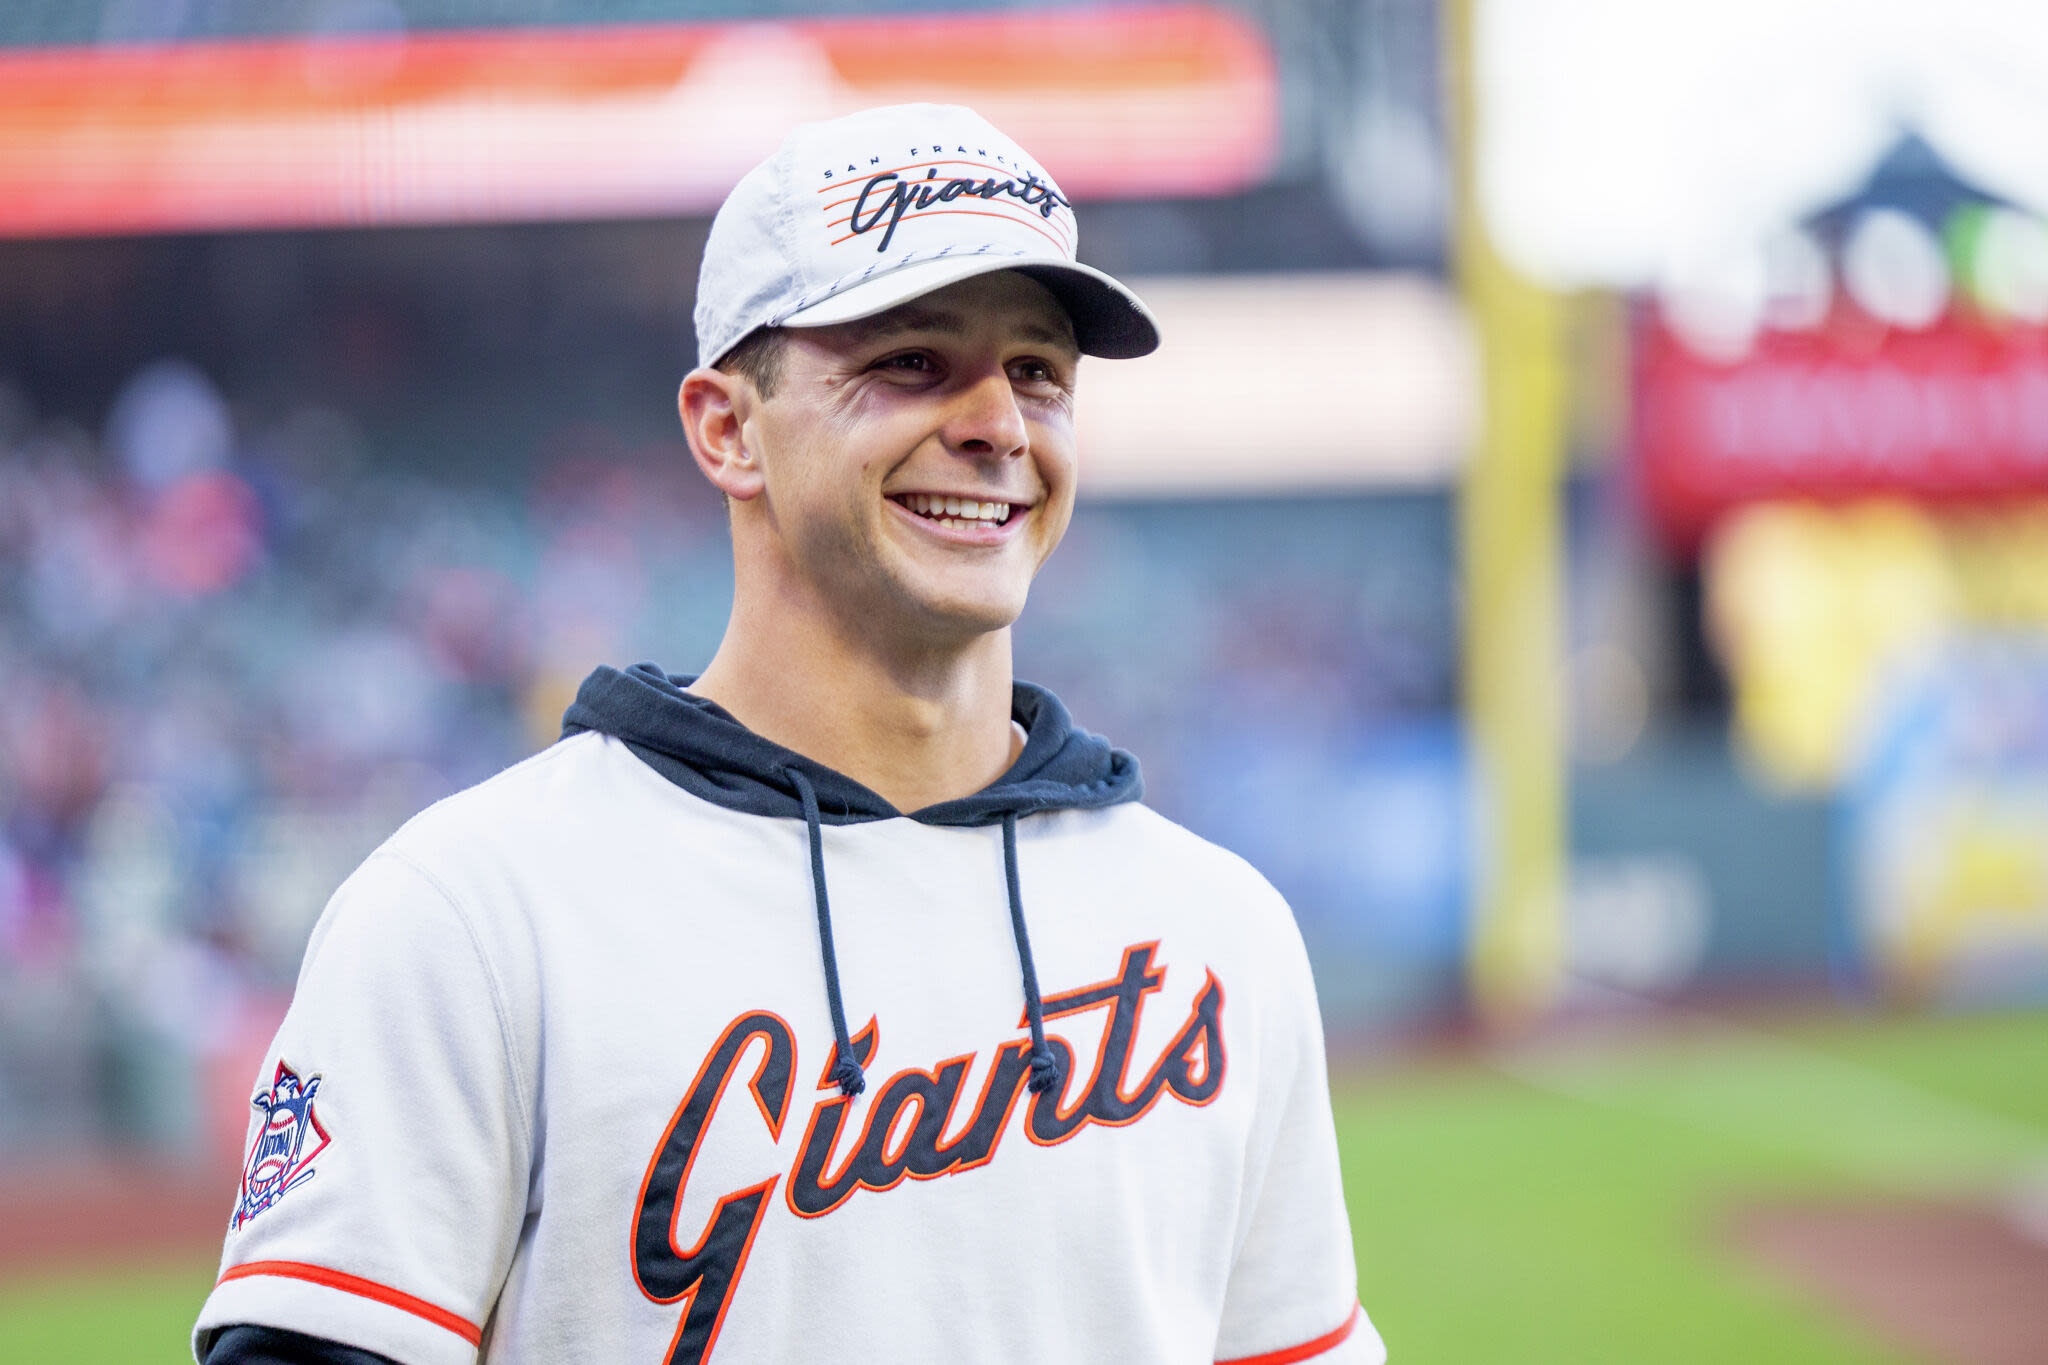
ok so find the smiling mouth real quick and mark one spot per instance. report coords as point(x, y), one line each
point(960, 514)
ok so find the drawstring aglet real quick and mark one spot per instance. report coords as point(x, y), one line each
point(849, 1077)
point(1045, 1071)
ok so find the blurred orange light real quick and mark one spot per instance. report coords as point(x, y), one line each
point(601, 121)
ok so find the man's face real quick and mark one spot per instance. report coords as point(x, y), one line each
point(886, 440)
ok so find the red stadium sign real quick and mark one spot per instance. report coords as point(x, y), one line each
point(1955, 413)
point(611, 121)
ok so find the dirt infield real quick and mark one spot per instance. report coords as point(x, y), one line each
point(1946, 1283)
point(88, 1214)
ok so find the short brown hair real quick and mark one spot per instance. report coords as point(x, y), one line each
point(758, 358)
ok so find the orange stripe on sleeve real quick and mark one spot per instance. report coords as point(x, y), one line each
point(368, 1289)
point(1287, 1355)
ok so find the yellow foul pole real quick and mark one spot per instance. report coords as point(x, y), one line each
point(1509, 545)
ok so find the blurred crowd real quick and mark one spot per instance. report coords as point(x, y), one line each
point(233, 663)
point(236, 655)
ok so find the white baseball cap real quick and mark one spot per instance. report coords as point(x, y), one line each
point(854, 216)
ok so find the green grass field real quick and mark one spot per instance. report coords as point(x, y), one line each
point(1551, 1204)
point(1563, 1205)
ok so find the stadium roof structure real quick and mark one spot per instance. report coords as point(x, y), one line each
point(36, 23)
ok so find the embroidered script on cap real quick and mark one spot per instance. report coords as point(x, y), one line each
point(887, 197)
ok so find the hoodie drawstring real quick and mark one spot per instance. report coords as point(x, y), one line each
point(846, 1072)
point(1045, 1068)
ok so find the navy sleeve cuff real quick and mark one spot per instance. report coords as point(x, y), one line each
point(243, 1345)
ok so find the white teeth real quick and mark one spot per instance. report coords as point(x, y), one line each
point(958, 512)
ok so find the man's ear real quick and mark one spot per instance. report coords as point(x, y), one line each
point(715, 407)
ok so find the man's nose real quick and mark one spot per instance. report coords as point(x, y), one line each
point(985, 421)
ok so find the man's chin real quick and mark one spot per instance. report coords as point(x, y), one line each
point(959, 618)
point(965, 623)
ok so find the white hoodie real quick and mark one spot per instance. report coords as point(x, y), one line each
point(561, 1079)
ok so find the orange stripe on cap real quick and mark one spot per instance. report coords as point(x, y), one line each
point(980, 213)
point(368, 1289)
point(1287, 1355)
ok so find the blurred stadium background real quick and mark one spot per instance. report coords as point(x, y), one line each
point(1585, 538)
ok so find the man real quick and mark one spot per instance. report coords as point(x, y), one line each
point(682, 1042)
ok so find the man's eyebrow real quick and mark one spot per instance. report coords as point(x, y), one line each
point(909, 319)
point(1048, 336)
point(947, 323)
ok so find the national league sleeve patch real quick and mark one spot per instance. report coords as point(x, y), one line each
point(282, 1153)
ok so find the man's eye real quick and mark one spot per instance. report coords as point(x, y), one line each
point(1033, 371)
point(914, 361)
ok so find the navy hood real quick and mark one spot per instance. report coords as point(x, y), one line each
point(698, 745)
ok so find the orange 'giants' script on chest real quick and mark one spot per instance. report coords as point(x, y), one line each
point(904, 1133)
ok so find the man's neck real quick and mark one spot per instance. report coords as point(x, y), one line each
point(929, 727)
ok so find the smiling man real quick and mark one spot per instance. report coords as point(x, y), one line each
point(657, 1046)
